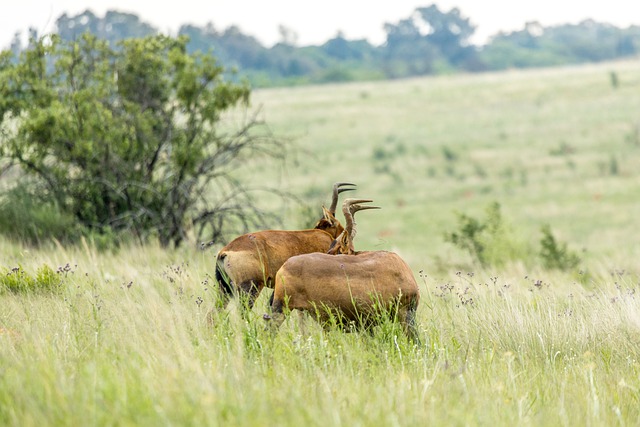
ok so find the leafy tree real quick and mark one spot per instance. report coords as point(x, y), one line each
point(428, 39)
point(407, 51)
point(535, 45)
point(450, 32)
point(342, 49)
point(132, 138)
point(115, 26)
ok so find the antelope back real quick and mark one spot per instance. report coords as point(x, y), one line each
point(258, 256)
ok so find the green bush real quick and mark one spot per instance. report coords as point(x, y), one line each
point(17, 280)
point(555, 254)
point(141, 154)
point(489, 240)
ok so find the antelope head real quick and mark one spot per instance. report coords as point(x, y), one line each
point(328, 222)
point(343, 244)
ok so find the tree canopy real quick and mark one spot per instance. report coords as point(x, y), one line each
point(130, 137)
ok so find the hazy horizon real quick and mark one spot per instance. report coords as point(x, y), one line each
point(314, 25)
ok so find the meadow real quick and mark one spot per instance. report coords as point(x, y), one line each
point(124, 338)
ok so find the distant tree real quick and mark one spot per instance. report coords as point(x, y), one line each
point(535, 45)
point(346, 50)
point(231, 45)
point(16, 43)
point(202, 39)
point(450, 32)
point(292, 62)
point(114, 27)
point(131, 139)
point(288, 36)
point(520, 49)
point(407, 51)
point(428, 37)
point(244, 49)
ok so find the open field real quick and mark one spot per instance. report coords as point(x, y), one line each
point(123, 338)
point(558, 146)
point(126, 342)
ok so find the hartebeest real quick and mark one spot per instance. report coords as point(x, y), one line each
point(250, 262)
point(356, 286)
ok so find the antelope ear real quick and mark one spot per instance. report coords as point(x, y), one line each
point(326, 214)
point(323, 224)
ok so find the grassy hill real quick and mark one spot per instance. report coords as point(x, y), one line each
point(557, 146)
point(124, 338)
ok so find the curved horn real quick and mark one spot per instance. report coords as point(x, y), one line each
point(349, 208)
point(343, 244)
point(337, 190)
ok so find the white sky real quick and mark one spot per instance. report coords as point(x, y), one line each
point(315, 22)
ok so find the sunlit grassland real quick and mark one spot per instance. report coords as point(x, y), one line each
point(558, 147)
point(125, 337)
point(126, 341)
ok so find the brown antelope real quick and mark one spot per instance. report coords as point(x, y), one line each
point(250, 262)
point(354, 286)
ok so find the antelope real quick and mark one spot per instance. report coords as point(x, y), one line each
point(354, 286)
point(250, 262)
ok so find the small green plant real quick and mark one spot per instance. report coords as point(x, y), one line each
point(488, 240)
point(379, 154)
point(555, 254)
point(614, 80)
point(467, 236)
point(449, 154)
point(563, 149)
point(18, 281)
point(614, 169)
point(633, 137)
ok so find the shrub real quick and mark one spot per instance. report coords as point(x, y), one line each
point(555, 254)
point(488, 240)
point(17, 280)
point(129, 138)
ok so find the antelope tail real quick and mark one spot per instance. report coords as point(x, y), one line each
point(222, 277)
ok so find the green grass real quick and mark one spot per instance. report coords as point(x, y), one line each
point(124, 337)
point(127, 342)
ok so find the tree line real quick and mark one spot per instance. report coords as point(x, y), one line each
point(428, 41)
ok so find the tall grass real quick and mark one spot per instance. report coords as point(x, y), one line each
point(128, 341)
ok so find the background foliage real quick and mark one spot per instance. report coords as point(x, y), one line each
point(428, 41)
point(130, 138)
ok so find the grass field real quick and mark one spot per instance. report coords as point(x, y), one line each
point(558, 146)
point(123, 338)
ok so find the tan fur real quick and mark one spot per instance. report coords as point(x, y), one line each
point(258, 256)
point(250, 262)
point(354, 286)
